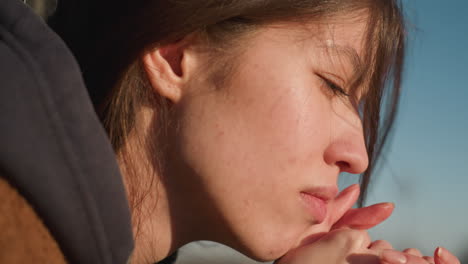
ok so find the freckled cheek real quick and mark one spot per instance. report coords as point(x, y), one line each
point(265, 146)
point(297, 128)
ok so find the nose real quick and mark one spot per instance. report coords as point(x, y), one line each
point(347, 150)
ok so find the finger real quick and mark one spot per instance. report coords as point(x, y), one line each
point(343, 202)
point(412, 259)
point(365, 218)
point(443, 256)
point(337, 246)
point(336, 208)
point(429, 260)
point(397, 257)
point(413, 252)
point(380, 245)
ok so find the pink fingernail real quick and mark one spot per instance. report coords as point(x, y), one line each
point(394, 256)
point(439, 252)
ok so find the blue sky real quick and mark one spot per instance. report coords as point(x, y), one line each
point(425, 173)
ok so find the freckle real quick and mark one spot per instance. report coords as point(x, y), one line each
point(247, 203)
point(271, 252)
point(292, 160)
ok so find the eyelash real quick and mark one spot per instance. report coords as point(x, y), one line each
point(334, 87)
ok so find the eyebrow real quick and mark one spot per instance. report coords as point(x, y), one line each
point(351, 54)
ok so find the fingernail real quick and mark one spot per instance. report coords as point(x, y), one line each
point(393, 256)
point(439, 252)
point(388, 205)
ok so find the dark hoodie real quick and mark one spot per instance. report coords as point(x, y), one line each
point(53, 149)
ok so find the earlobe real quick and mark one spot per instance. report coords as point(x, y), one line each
point(164, 69)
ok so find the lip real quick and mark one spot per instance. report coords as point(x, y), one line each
point(316, 201)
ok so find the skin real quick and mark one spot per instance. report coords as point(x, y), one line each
point(273, 136)
point(242, 154)
point(349, 235)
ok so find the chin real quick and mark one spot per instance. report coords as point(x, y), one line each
point(268, 249)
point(265, 255)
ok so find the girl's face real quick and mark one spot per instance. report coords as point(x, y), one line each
point(258, 158)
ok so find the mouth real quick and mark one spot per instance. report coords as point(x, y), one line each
point(316, 201)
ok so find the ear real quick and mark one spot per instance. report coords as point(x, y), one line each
point(168, 69)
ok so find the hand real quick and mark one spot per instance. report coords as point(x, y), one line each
point(339, 246)
point(355, 247)
point(441, 256)
point(343, 216)
point(351, 246)
point(368, 217)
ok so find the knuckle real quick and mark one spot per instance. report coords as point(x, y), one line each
point(351, 238)
point(413, 251)
point(414, 259)
point(429, 259)
point(381, 244)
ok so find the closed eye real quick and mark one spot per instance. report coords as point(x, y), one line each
point(333, 86)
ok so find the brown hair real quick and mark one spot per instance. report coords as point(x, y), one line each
point(110, 51)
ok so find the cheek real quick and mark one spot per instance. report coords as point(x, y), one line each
point(283, 122)
point(252, 154)
point(279, 146)
point(268, 132)
point(252, 147)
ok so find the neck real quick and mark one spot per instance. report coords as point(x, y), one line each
point(153, 229)
point(152, 225)
point(162, 206)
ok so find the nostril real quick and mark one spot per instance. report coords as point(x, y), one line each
point(343, 165)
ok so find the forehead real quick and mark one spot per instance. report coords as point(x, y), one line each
point(341, 41)
point(337, 36)
point(344, 36)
